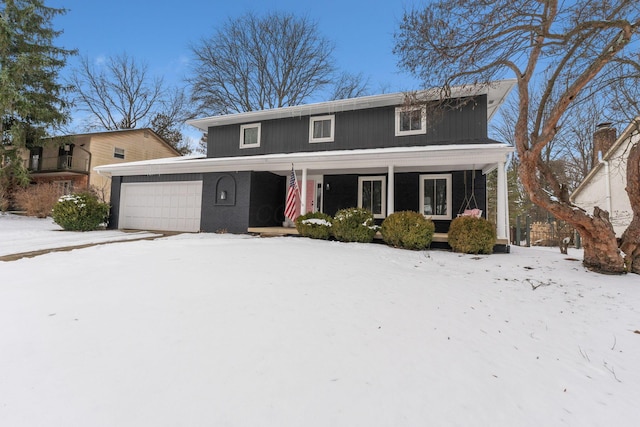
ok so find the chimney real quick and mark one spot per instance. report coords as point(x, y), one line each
point(603, 138)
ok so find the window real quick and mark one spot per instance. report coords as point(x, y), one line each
point(435, 196)
point(118, 153)
point(321, 128)
point(410, 121)
point(250, 135)
point(372, 194)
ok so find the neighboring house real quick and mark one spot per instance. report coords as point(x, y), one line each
point(371, 152)
point(69, 160)
point(604, 186)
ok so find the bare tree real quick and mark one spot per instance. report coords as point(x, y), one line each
point(561, 50)
point(119, 93)
point(255, 63)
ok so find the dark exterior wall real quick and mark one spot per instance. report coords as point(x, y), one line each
point(343, 193)
point(230, 216)
point(117, 181)
point(359, 129)
point(268, 192)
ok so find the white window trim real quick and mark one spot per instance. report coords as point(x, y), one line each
point(381, 178)
point(314, 119)
point(250, 126)
point(447, 177)
point(423, 121)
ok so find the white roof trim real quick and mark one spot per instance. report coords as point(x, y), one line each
point(496, 91)
point(476, 156)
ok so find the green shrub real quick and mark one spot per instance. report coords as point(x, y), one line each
point(316, 225)
point(407, 229)
point(79, 212)
point(472, 235)
point(354, 225)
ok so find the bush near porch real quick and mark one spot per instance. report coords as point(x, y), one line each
point(408, 230)
point(354, 225)
point(316, 225)
point(472, 235)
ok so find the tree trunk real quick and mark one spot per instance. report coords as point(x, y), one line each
point(630, 242)
point(601, 252)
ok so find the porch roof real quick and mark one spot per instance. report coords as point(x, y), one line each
point(432, 158)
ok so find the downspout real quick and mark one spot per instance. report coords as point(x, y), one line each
point(607, 180)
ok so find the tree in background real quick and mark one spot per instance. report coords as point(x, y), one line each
point(32, 101)
point(120, 94)
point(561, 52)
point(254, 63)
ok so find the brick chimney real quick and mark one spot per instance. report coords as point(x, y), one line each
point(603, 138)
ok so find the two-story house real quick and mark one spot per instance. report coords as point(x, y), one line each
point(376, 152)
point(69, 160)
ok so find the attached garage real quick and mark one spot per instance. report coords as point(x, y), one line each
point(167, 206)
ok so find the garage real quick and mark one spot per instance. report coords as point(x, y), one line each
point(166, 206)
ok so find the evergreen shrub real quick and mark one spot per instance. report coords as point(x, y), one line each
point(315, 225)
point(354, 225)
point(80, 212)
point(472, 235)
point(408, 230)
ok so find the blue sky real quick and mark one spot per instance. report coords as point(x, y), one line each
point(160, 32)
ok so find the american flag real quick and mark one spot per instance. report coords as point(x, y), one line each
point(290, 210)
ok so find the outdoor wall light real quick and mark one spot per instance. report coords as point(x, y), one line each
point(223, 195)
point(327, 186)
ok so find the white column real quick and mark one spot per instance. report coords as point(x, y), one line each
point(303, 192)
point(501, 202)
point(390, 190)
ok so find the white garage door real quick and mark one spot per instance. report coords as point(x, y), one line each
point(167, 206)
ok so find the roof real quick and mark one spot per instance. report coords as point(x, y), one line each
point(496, 92)
point(116, 131)
point(625, 137)
point(429, 158)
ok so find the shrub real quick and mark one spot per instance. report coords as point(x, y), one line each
point(354, 225)
point(315, 225)
point(38, 199)
point(407, 229)
point(80, 212)
point(472, 235)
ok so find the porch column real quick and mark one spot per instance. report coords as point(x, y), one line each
point(501, 202)
point(390, 190)
point(303, 192)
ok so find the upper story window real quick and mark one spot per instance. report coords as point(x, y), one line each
point(435, 195)
point(411, 121)
point(321, 128)
point(250, 135)
point(118, 153)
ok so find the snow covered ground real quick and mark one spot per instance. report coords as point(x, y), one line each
point(226, 330)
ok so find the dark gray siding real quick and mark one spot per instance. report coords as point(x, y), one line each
point(218, 215)
point(117, 181)
point(342, 193)
point(268, 192)
point(359, 129)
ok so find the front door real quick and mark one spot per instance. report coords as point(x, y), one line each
point(314, 193)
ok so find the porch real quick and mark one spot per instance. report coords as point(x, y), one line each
point(291, 231)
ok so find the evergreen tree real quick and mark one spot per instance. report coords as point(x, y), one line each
point(31, 98)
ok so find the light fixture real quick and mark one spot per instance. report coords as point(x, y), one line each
point(223, 195)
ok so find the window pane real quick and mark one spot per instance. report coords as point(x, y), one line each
point(441, 197)
point(322, 129)
point(250, 136)
point(410, 120)
point(429, 191)
point(376, 197)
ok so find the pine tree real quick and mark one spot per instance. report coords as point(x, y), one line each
point(32, 100)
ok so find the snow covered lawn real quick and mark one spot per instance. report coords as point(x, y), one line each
point(225, 330)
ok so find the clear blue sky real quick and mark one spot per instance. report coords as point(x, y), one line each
point(159, 32)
